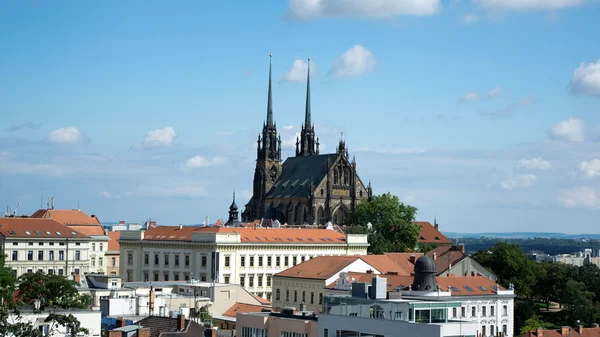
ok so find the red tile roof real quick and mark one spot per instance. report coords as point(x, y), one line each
point(430, 234)
point(319, 268)
point(565, 331)
point(446, 256)
point(76, 219)
point(250, 235)
point(394, 281)
point(242, 308)
point(40, 228)
point(406, 261)
point(262, 301)
point(384, 263)
point(113, 243)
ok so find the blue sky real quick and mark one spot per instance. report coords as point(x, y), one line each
point(484, 113)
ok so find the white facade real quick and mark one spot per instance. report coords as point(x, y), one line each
point(223, 257)
point(51, 255)
point(90, 320)
point(98, 249)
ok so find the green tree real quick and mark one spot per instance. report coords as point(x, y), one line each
point(10, 318)
point(551, 281)
point(532, 324)
point(577, 303)
point(393, 224)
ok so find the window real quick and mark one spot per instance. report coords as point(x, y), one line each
point(40, 255)
point(253, 332)
point(295, 295)
point(491, 330)
point(473, 311)
point(277, 261)
point(77, 255)
point(463, 312)
point(51, 255)
point(504, 329)
point(398, 315)
point(260, 261)
point(76, 271)
point(285, 261)
point(187, 260)
point(325, 331)
point(268, 296)
point(15, 243)
point(61, 255)
point(167, 258)
point(278, 294)
point(30, 243)
point(251, 281)
point(320, 298)
point(304, 296)
point(268, 280)
point(15, 255)
point(155, 259)
point(146, 278)
point(454, 312)
point(287, 295)
point(203, 279)
point(483, 330)
point(176, 276)
point(60, 271)
point(93, 262)
point(129, 276)
point(101, 246)
point(504, 310)
point(113, 261)
point(186, 277)
point(93, 246)
point(155, 277)
point(30, 255)
point(243, 261)
point(203, 261)
point(146, 258)
point(260, 280)
point(251, 261)
point(292, 334)
point(483, 311)
point(268, 261)
point(302, 259)
point(242, 280)
point(491, 310)
point(129, 258)
point(227, 279)
point(166, 277)
point(100, 261)
point(50, 271)
point(227, 261)
point(294, 260)
point(312, 297)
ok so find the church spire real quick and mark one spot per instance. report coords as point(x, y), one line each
point(307, 121)
point(270, 99)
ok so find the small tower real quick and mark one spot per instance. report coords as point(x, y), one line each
point(233, 220)
point(425, 275)
point(308, 146)
point(369, 191)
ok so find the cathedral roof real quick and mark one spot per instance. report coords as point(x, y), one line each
point(297, 173)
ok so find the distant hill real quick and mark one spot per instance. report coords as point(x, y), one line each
point(522, 235)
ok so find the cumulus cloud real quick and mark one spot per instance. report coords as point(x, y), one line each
point(586, 79)
point(579, 197)
point(356, 61)
point(527, 5)
point(590, 169)
point(302, 10)
point(519, 180)
point(26, 125)
point(160, 137)
point(570, 130)
point(472, 96)
point(469, 19)
point(288, 127)
point(534, 164)
point(104, 194)
point(67, 135)
point(298, 71)
point(201, 162)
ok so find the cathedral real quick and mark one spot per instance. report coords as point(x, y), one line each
point(310, 188)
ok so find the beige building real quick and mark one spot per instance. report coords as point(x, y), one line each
point(245, 256)
point(305, 283)
point(88, 225)
point(287, 323)
point(32, 245)
point(113, 253)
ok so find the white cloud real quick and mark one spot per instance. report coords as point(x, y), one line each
point(354, 62)
point(200, 162)
point(67, 135)
point(288, 127)
point(301, 10)
point(299, 71)
point(534, 164)
point(579, 197)
point(570, 130)
point(468, 19)
point(472, 96)
point(177, 191)
point(523, 5)
point(160, 137)
point(586, 79)
point(104, 194)
point(590, 169)
point(519, 180)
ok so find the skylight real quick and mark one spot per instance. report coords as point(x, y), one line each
point(48, 233)
point(73, 233)
point(469, 289)
point(11, 232)
point(27, 232)
point(455, 289)
point(58, 233)
point(495, 287)
point(482, 288)
point(38, 233)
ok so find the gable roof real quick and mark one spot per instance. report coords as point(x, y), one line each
point(393, 281)
point(297, 173)
point(239, 307)
point(430, 234)
point(113, 243)
point(319, 268)
point(76, 219)
point(445, 256)
point(262, 301)
point(384, 263)
point(40, 228)
point(403, 260)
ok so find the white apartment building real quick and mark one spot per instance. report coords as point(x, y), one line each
point(245, 256)
point(32, 245)
point(88, 225)
point(89, 319)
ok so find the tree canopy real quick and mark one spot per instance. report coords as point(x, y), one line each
point(393, 224)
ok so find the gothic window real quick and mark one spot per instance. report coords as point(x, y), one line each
point(361, 193)
point(335, 176)
point(346, 176)
point(322, 192)
point(273, 173)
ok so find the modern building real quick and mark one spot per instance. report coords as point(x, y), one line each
point(32, 245)
point(311, 187)
point(89, 319)
point(286, 323)
point(88, 225)
point(159, 326)
point(248, 256)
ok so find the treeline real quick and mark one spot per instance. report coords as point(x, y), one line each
point(549, 294)
point(546, 245)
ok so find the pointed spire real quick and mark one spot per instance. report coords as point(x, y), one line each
point(270, 99)
point(307, 122)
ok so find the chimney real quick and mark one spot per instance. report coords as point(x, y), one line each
point(580, 329)
point(121, 222)
point(540, 332)
point(180, 322)
point(143, 332)
point(412, 259)
point(435, 225)
point(564, 331)
point(120, 322)
point(434, 256)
